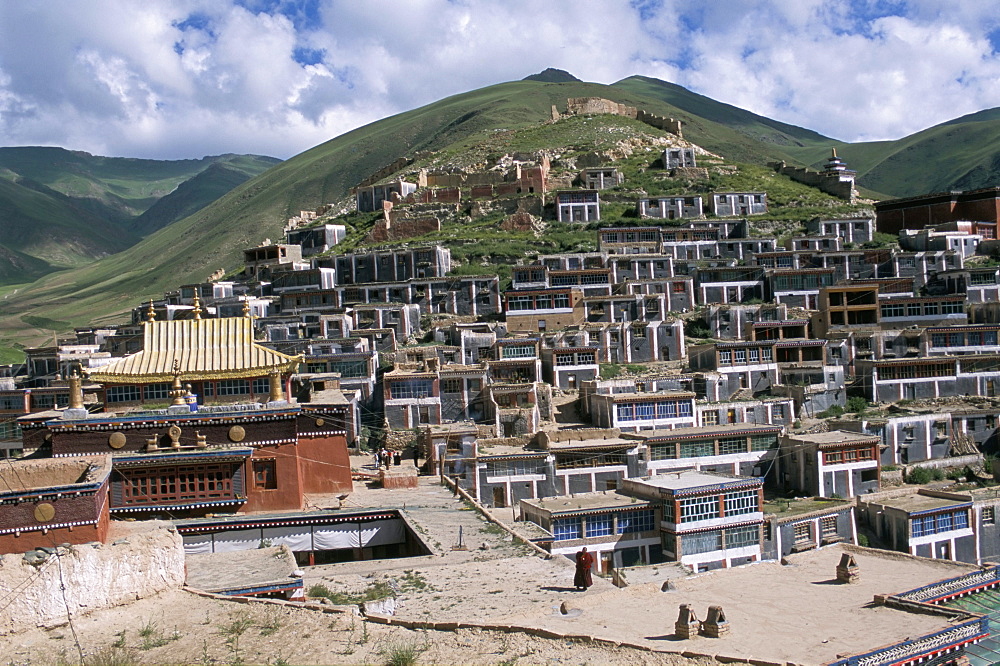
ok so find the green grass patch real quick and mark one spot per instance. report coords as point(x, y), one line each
point(374, 592)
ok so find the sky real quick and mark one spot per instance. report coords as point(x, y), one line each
point(174, 79)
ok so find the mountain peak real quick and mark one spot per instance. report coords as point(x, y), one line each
point(552, 75)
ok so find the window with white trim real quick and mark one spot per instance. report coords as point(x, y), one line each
point(741, 502)
point(699, 508)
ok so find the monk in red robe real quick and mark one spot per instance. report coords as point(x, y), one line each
point(584, 561)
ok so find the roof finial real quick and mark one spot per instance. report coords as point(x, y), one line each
point(75, 389)
point(197, 307)
point(177, 391)
point(150, 312)
point(834, 151)
point(247, 312)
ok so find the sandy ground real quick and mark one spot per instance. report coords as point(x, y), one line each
point(197, 630)
point(783, 613)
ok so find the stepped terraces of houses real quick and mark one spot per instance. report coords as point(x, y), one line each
point(688, 364)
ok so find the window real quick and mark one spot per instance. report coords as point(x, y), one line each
point(179, 483)
point(741, 502)
point(663, 452)
point(232, 387)
point(265, 475)
point(699, 508)
point(411, 388)
point(581, 460)
point(666, 410)
point(636, 521)
point(828, 527)
point(710, 417)
point(451, 385)
point(598, 525)
point(157, 391)
point(989, 515)
point(703, 542)
point(893, 310)
point(732, 445)
point(517, 351)
point(937, 523)
point(953, 308)
point(566, 528)
point(645, 411)
point(261, 386)
point(802, 533)
point(123, 394)
point(697, 449)
point(763, 442)
point(520, 303)
point(725, 357)
point(741, 537)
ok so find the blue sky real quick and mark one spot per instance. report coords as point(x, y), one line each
point(185, 78)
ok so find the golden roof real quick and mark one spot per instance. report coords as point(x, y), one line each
point(203, 348)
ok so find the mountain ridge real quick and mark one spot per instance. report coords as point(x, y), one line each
point(213, 237)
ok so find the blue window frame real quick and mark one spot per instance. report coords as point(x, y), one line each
point(599, 525)
point(566, 528)
point(636, 521)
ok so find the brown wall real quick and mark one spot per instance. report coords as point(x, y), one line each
point(288, 494)
point(324, 465)
point(68, 509)
point(553, 322)
point(216, 434)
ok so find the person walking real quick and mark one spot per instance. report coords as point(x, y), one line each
point(584, 561)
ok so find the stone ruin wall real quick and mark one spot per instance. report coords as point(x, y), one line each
point(829, 183)
point(147, 561)
point(576, 106)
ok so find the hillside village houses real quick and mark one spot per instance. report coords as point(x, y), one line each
point(664, 397)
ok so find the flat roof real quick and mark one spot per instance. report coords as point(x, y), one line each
point(833, 437)
point(703, 431)
point(586, 502)
point(241, 569)
point(760, 602)
point(790, 508)
point(50, 473)
point(918, 502)
point(690, 478)
point(571, 444)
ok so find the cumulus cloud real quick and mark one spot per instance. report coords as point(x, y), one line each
point(184, 78)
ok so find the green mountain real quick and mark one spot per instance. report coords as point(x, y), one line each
point(64, 209)
point(55, 229)
point(197, 192)
point(473, 127)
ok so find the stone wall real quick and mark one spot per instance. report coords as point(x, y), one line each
point(829, 183)
point(148, 560)
point(390, 228)
point(385, 171)
point(576, 106)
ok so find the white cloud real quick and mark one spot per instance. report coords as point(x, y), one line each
point(183, 78)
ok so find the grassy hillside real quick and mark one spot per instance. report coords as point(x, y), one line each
point(38, 222)
point(480, 120)
point(960, 154)
point(195, 193)
point(119, 188)
point(63, 209)
point(750, 124)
